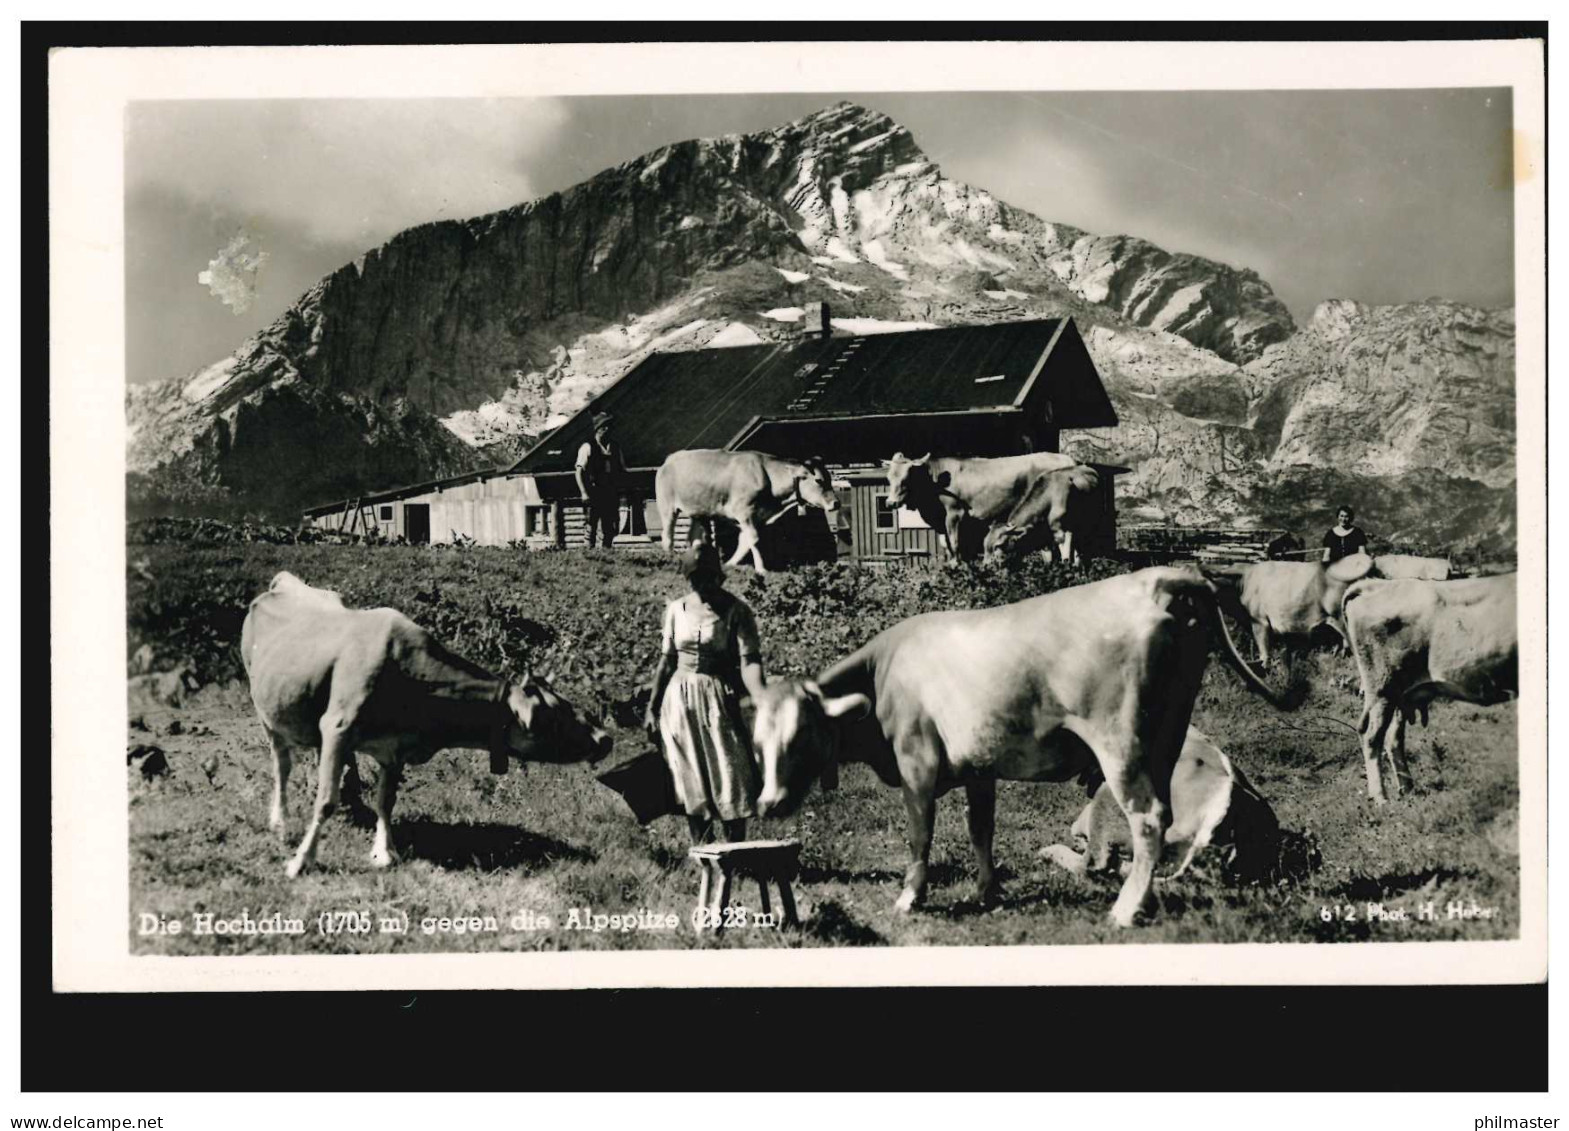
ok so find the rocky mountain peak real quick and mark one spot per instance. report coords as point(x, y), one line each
point(503, 324)
point(1337, 317)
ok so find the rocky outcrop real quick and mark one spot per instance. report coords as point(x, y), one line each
point(1382, 390)
point(1229, 312)
point(1407, 412)
point(284, 442)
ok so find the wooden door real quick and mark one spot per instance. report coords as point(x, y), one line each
point(416, 521)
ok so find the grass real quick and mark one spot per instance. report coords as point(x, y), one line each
point(548, 839)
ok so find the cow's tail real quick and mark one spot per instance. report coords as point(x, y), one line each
point(1232, 655)
point(1357, 589)
point(1249, 676)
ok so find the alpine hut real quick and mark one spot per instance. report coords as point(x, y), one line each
point(852, 400)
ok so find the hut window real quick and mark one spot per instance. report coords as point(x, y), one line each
point(536, 521)
point(887, 517)
point(633, 519)
point(386, 514)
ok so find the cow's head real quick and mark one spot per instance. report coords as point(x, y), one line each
point(909, 480)
point(794, 736)
point(816, 487)
point(544, 727)
point(1004, 539)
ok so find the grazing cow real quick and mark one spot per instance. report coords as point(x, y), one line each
point(945, 492)
point(1416, 641)
point(748, 488)
point(1398, 566)
point(1212, 802)
point(371, 681)
point(1055, 506)
point(1287, 598)
point(1097, 678)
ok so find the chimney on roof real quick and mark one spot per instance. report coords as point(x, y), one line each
point(816, 323)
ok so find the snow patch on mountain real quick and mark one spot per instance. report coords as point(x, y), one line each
point(842, 288)
point(879, 258)
point(839, 251)
point(210, 380)
point(735, 334)
point(860, 326)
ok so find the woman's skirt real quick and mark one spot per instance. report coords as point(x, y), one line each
point(709, 754)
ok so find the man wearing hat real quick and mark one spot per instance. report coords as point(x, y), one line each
point(600, 471)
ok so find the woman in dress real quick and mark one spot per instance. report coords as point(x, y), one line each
point(708, 653)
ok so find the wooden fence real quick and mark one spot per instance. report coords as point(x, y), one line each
point(1158, 545)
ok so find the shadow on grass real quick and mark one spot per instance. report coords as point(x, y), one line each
point(831, 923)
point(812, 874)
point(486, 847)
point(1395, 883)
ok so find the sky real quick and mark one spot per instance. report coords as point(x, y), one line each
point(1380, 196)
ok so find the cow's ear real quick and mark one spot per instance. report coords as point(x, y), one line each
point(854, 705)
point(927, 458)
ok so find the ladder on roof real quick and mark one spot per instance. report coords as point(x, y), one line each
point(808, 396)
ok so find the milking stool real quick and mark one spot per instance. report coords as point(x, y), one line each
point(778, 861)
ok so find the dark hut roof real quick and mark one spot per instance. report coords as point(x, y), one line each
point(712, 398)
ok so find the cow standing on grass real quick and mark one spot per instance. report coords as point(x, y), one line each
point(1058, 505)
point(371, 681)
point(947, 491)
point(1416, 641)
point(1287, 598)
point(1097, 678)
point(748, 488)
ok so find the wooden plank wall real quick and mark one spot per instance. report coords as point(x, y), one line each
point(489, 521)
point(869, 544)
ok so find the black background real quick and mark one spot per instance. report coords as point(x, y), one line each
point(1462, 1038)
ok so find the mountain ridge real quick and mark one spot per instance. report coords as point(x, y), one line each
point(505, 323)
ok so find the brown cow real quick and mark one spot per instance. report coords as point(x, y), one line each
point(371, 681)
point(748, 488)
point(1096, 678)
point(947, 491)
point(1056, 506)
point(1416, 641)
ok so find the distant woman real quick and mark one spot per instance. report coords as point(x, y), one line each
point(709, 652)
point(1343, 539)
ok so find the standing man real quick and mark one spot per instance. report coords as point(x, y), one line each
point(1343, 539)
point(600, 472)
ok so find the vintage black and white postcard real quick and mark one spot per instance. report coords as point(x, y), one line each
point(799, 514)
